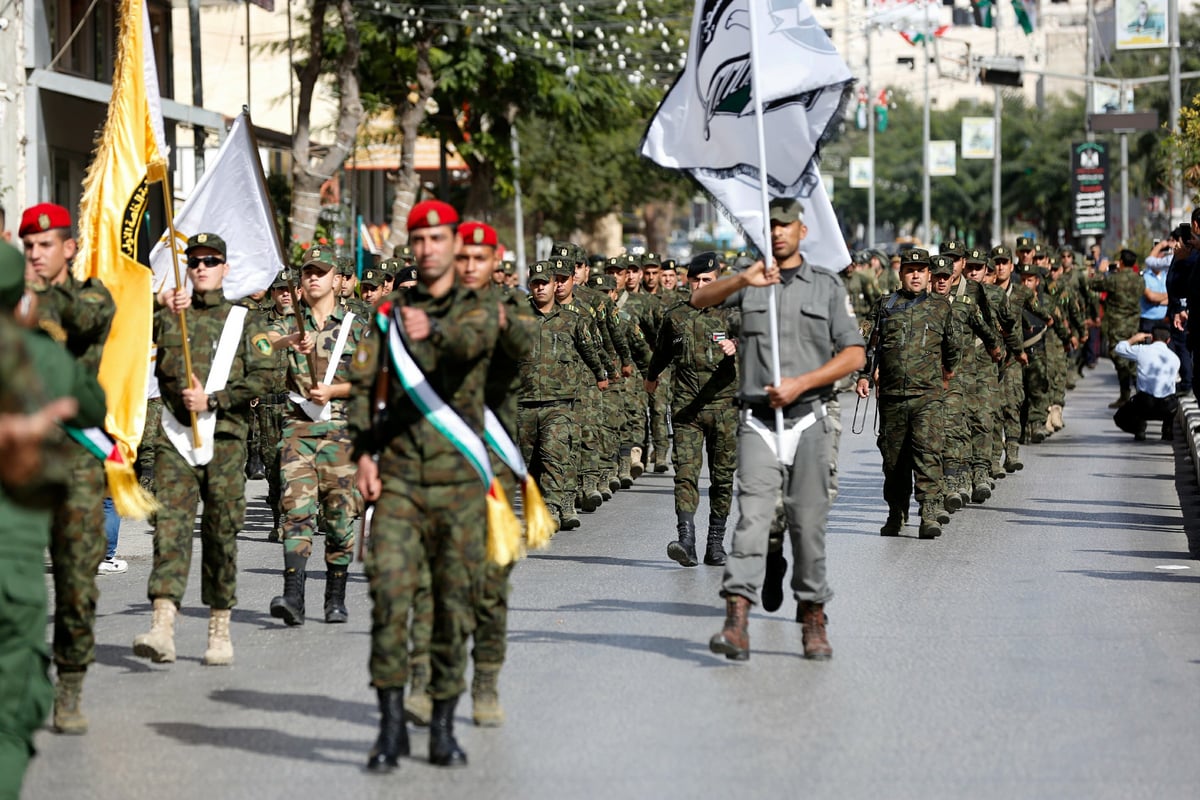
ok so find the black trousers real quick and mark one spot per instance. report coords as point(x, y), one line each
point(1141, 408)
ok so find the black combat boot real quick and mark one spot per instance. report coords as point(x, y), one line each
point(714, 554)
point(289, 606)
point(335, 595)
point(772, 588)
point(894, 523)
point(393, 735)
point(255, 469)
point(684, 549)
point(443, 748)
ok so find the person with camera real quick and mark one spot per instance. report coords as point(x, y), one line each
point(1157, 369)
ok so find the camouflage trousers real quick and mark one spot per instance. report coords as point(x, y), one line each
point(957, 435)
point(77, 545)
point(145, 453)
point(1114, 333)
point(1056, 362)
point(587, 417)
point(319, 479)
point(1012, 392)
point(659, 407)
point(440, 528)
point(221, 485)
point(981, 414)
point(612, 410)
point(271, 427)
point(911, 442)
point(711, 430)
point(1037, 389)
point(633, 420)
point(545, 434)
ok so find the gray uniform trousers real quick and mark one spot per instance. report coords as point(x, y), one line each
point(807, 488)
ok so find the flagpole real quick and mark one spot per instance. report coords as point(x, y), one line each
point(773, 294)
point(164, 181)
point(926, 235)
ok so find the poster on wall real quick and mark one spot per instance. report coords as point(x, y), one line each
point(1141, 24)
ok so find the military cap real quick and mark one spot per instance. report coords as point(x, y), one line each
point(562, 267)
point(372, 277)
point(915, 256)
point(1024, 243)
point(345, 265)
point(941, 265)
point(895, 259)
point(953, 248)
point(1029, 269)
point(388, 268)
point(631, 261)
point(431, 214)
point(597, 260)
point(508, 267)
point(282, 279)
point(561, 250)
point(44, 217)
point(860, 257)
point(669, 263)
point(614, 263)
point(1039, 251)
point(601, 281)
point(402, 251)
point(742, 261)
point(320, 257)
point(882, 256)
point(541, 271)
point(474, 232)
point(12, 276)
point(651, 260)
point(407, 273)
point(1066, 250)
point(976, 257)
point(703, 263)
point(209, 240)
point(1000, 251)
point(580, 253)
point(786, 210)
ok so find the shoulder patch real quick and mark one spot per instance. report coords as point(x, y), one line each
point(262, 343)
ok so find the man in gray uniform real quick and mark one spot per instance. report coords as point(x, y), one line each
point(819, 344)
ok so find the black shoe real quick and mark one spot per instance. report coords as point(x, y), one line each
point(714, 553)
point(443, 748)
point(393, 734)
point(335, 596)
point(570, 523)
point(772, 588)
point(683, 549)
point(289, 606)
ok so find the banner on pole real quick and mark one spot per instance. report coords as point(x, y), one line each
point(1089, 189)
point(943, 161)
point(1141, 24)
point(861, 171)
point(978, 137)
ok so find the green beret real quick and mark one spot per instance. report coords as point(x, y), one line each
point(209, 240)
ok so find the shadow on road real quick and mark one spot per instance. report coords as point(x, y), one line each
point(265, 741)
point(606, 561)
point(1107, 520)
point(669, 646)
point(311, 705)
point(1134, 575)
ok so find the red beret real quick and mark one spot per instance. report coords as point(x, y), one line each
point(478, 233)
point(44, 217)
point(430, 214)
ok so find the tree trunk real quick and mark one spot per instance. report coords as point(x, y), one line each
point(412, 114)
point(659, 219)
point(308, 175)
point(478, 204)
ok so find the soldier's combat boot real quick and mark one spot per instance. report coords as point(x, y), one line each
point(931, 525)
point(443, 748)
point(289, 606)
point(393, 735)
point(662, 462)
point(1124, 398)
point(895, 522)
point(335, 595)
point(1012, 457)
point(683, 549)
point(813, 636)
point(636, 467)
point(624, 471)
point(68, 694)
point(592, 499)
point(220, 645)
point(255, 470)
point(1056, 417)
point(486, 711)
point(418, 708)
point(1037, 433)
point(981, 490)
point(714, 552)
point(733, 641)
point(951, 499)
point(569, 520)
point(938, 511)
point(159, 644)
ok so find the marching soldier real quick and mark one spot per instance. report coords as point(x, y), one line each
point(1122, 312)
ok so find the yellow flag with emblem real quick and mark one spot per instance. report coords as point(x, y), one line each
point(130, 155)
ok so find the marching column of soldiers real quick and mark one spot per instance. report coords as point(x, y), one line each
point(358, 399)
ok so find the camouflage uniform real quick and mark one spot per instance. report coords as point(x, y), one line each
point(1122, 314)
point(1040, 333)
point(221, 483)
point(913, 339)
point(274, 403)
point(432, 508)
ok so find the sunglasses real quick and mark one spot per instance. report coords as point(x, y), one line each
point(207, 261)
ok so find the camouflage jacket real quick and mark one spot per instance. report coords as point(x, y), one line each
point(592, 330)
point(635, 340)
point(646, 311)
point(515, 341)
point(602, 310)
point(1029, 310)
point(454, 359)
point(85, 311)
point(863, 292)
point(969, 319)
point(1123, 301)
point(702, 374)
point(1000, 312)
point(550, 370)
point(299, 381)
point(911, 340)
point(249, 376)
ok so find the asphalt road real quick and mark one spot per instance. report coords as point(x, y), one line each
point(1047, 646)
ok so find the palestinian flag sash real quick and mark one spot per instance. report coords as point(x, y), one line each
point(539, 526)
point(504, 532)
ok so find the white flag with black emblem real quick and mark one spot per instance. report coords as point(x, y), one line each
point(706, 124)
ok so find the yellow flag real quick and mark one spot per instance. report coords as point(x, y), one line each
point(130, 155)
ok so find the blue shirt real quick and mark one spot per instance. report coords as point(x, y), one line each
point(1156, 281)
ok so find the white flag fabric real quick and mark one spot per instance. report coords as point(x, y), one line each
point(706, 123)
point(230, 200)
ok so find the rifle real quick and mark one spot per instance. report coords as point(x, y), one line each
point(380, 393)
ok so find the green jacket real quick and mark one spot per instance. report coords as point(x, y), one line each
point(550, 370)
point(911, 340)
point(690, 342)
point(515, 341)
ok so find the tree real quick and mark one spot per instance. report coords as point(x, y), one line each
point(310, 171)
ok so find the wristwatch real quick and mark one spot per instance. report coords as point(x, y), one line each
point(212, 402)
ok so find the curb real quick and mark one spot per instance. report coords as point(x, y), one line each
point(1189, 420)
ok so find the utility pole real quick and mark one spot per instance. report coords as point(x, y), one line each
point(1178, 201)
point(197, 84)
point(870, 143)
point(997, 105)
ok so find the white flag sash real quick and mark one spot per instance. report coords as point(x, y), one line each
point(784, 449)
point(502, 444)
point(323, 412)
point(180, 435)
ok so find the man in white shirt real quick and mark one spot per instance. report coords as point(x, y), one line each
point(1157, 371)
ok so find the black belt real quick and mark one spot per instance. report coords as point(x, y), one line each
point(277, 399)
point(798, 409)
point(544, 403)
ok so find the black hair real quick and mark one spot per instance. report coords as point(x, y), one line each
point(1161, 333)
